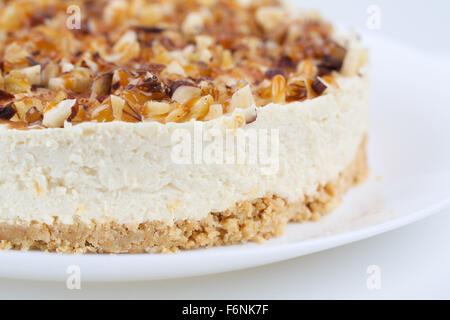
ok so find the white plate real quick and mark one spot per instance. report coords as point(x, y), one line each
point(410, 163)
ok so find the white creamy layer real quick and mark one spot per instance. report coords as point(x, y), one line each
point(125, 172)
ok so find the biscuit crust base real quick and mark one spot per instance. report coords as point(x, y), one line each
point(256, 221)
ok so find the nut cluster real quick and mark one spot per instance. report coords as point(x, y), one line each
point(163, 60)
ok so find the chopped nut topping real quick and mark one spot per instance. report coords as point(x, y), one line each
point(151, 84)
point(273, 72)
point(175, 68)
point(279, 89)
point(162, 60)
point(155, 108)
point(297, 90)
point(215, 111)
point(242, 98)
point(185, 93)
point(319, 86)
point(17, 82)
point(56, 116)
point(102, 85)
point(33, 115)
point(270, 18)
point(7, 112)
point(117, 105)
point(354, 59)
point(193, 24)
point(5, 96)
point(250, 114)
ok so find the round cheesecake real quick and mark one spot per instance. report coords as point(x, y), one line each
point(158, 126)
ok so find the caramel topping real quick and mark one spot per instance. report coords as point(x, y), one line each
point(119, 58)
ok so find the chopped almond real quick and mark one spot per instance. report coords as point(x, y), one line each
point(56, 116)
point(17, 82)
point(193, 24)
point(243, 98)
point(117, 105)
point(185, 93)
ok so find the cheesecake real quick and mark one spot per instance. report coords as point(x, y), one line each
point(158, 126)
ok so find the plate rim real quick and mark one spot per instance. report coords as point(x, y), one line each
point(285, 251)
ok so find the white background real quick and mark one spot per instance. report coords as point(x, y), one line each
point(414, 261)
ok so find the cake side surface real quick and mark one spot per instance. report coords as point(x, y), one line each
point(256, 220)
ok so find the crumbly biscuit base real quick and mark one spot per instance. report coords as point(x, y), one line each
point(256, 221)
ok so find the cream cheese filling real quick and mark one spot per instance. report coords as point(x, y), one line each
point(127, 173)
